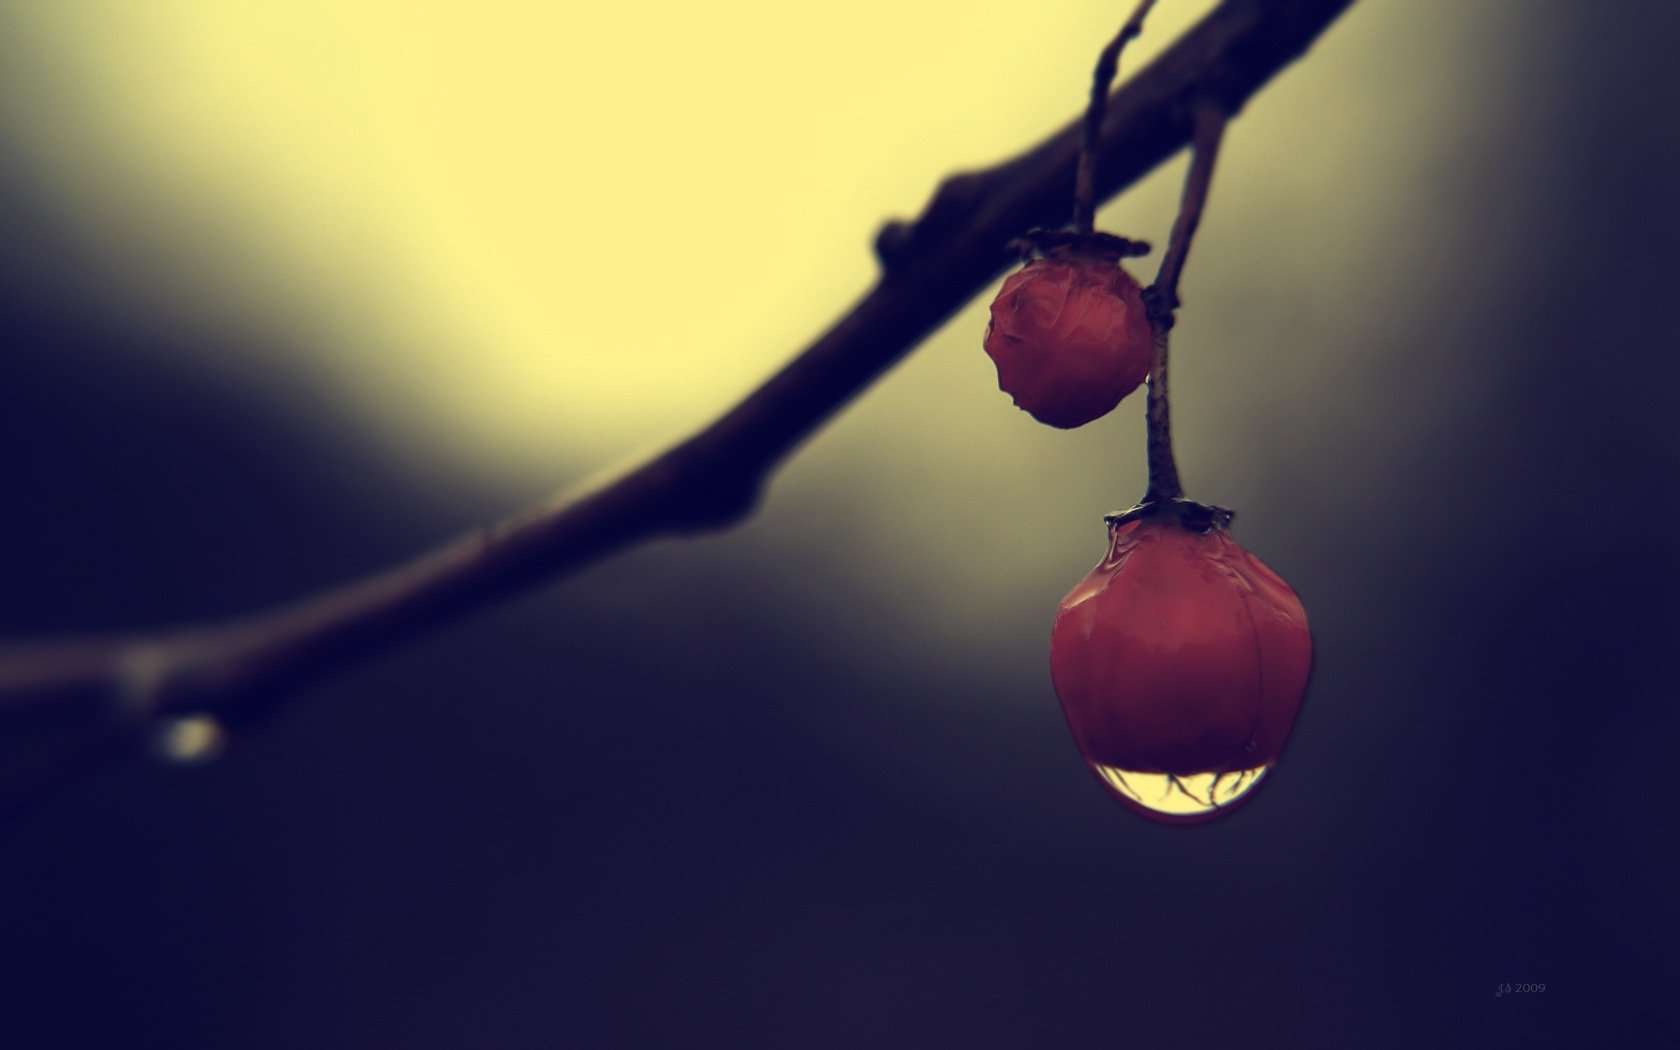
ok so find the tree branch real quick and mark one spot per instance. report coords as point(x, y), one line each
point(931, 267)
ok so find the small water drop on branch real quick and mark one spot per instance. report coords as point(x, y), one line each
point(192, 740)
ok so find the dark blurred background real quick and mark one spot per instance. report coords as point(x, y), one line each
point(806, 784)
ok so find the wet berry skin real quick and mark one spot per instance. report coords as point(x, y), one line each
point(1070, 337)
point(1180, 654)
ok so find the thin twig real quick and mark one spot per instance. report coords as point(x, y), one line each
point(1162, 296)
point(1102, 79)
point(1208, 124)
point(930, 268)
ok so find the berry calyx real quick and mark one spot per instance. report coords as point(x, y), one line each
point(1180, 662)
point(1070, 334)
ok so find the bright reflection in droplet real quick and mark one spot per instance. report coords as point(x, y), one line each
point(198, 738)
point(1176, 799)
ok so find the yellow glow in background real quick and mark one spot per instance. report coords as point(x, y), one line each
point(524, 240)
point(537, 224)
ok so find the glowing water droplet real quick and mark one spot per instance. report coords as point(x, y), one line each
point(1189, 799)
point(190, 740)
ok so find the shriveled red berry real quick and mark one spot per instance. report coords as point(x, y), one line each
point(1070, 337)
point(1180, 661)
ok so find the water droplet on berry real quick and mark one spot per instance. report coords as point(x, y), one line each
point(190, 740)
point(1180, 799)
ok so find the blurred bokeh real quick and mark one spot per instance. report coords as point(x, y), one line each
point(288, 292)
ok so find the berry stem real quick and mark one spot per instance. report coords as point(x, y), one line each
point(1108, 64)
point(1208, 119)
point(1164, 485)
point(1162, 296)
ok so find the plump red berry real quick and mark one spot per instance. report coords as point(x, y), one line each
point(1070, 336)
point(1180, 661)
